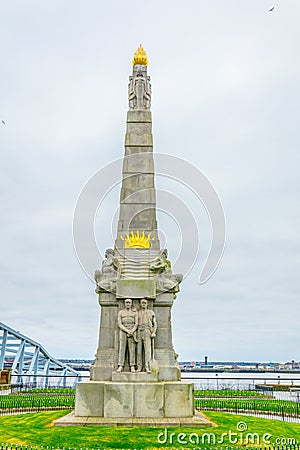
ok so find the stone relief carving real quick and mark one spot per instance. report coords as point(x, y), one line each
point(137, 330)
point(146, 333)
point(139, 90)
point(127, 323)
point(165, 279)
point(106, 278)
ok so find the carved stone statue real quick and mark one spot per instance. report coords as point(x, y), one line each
point(110, 271)
point(139, 91)
point(165, 279)
point(127, 323)
point(146, 333)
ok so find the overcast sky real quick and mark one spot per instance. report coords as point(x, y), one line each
point(225, 82)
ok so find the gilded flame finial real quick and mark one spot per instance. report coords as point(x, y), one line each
point(140, 57)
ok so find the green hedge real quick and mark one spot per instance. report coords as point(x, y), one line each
point(228, 393)
point(35, 401)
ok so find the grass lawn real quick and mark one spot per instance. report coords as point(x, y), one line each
point(37, 430)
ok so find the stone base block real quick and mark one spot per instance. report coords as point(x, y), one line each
point(174, 399)
point(101, 373)
point(198, 420)
point(168, 373)
point(136, 377)
point(90, 399)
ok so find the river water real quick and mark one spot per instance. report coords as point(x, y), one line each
point(238, 381)
point(232, 380)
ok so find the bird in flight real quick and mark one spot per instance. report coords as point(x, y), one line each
point(3, 122)
point(272, 9)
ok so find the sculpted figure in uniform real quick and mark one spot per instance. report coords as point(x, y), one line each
point(127, 323)
point(110, 271)
point(147, 327)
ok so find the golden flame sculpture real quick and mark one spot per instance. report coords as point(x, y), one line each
point(137, 240)
point(140, 57)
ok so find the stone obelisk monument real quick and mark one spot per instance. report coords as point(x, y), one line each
point(135, 378)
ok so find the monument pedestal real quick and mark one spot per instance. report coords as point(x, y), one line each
point(135, 403)
point(135, 399)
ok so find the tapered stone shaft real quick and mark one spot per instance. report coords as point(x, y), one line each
point(137, 199)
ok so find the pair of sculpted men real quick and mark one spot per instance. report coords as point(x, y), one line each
point(136, 331)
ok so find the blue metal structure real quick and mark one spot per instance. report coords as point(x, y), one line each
point(31, 360)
